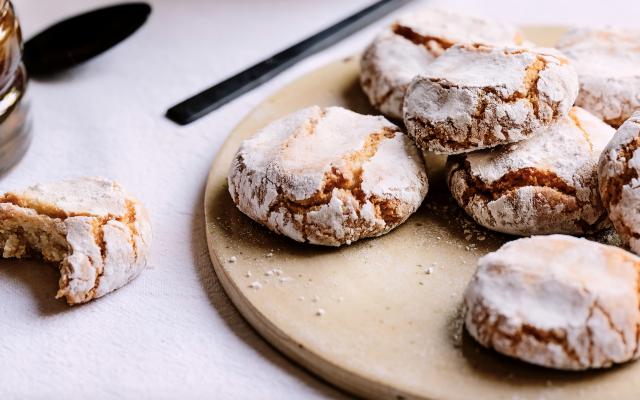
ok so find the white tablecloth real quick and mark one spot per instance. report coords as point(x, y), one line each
point(172, 333)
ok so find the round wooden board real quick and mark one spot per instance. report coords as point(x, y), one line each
point(388, 329)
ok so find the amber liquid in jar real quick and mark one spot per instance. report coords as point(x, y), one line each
point(14, 107)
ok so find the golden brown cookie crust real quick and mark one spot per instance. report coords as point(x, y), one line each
point(618, 181)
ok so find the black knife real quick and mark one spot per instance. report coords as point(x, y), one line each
point(81, 37)
point(203, 103)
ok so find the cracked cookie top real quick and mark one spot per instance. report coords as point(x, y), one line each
point(565, 150)
point(545, 184)
point(557, 301)
point(328, 176)
point(438, 30)
point(408, 46)
point(477, 96)
point(607, 65)
point(619, 183)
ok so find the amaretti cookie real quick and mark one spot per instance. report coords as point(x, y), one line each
point(407, 47)
point(478, 96)
point(619, 173)
point(607, 65)
point(545, 184)
point(97, 233)
point(328, 176)
point(557, 301)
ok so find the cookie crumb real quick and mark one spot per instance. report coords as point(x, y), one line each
point(269, 255)
point(320, 312)
point(429, 271)
point(232, 259)
point(255, 285)
point(248, 274)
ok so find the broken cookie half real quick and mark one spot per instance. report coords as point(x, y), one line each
point(98, 234)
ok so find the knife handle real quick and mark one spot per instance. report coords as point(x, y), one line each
point(216, 96)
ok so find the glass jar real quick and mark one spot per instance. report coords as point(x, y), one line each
point(15, 133)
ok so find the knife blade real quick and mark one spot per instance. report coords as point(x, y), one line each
point(214, 97)
point(77, 39)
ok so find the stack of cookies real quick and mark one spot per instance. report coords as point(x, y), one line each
point(530, 135)
point(523, 157)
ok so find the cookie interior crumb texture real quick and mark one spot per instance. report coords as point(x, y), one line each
point(478, 96)
point(328, 176)
point(98, 235)
point(618, 181)
point(557, 301)
point(607, 65)
point(546, 184)
point(407, 48)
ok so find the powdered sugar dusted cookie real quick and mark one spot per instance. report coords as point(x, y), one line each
point(557, 301)
point(607, 65)
point(328, 176)
point(407, 47)
point(619, 183)
point(478, 96)
point(545, 184)
point(98, 234)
